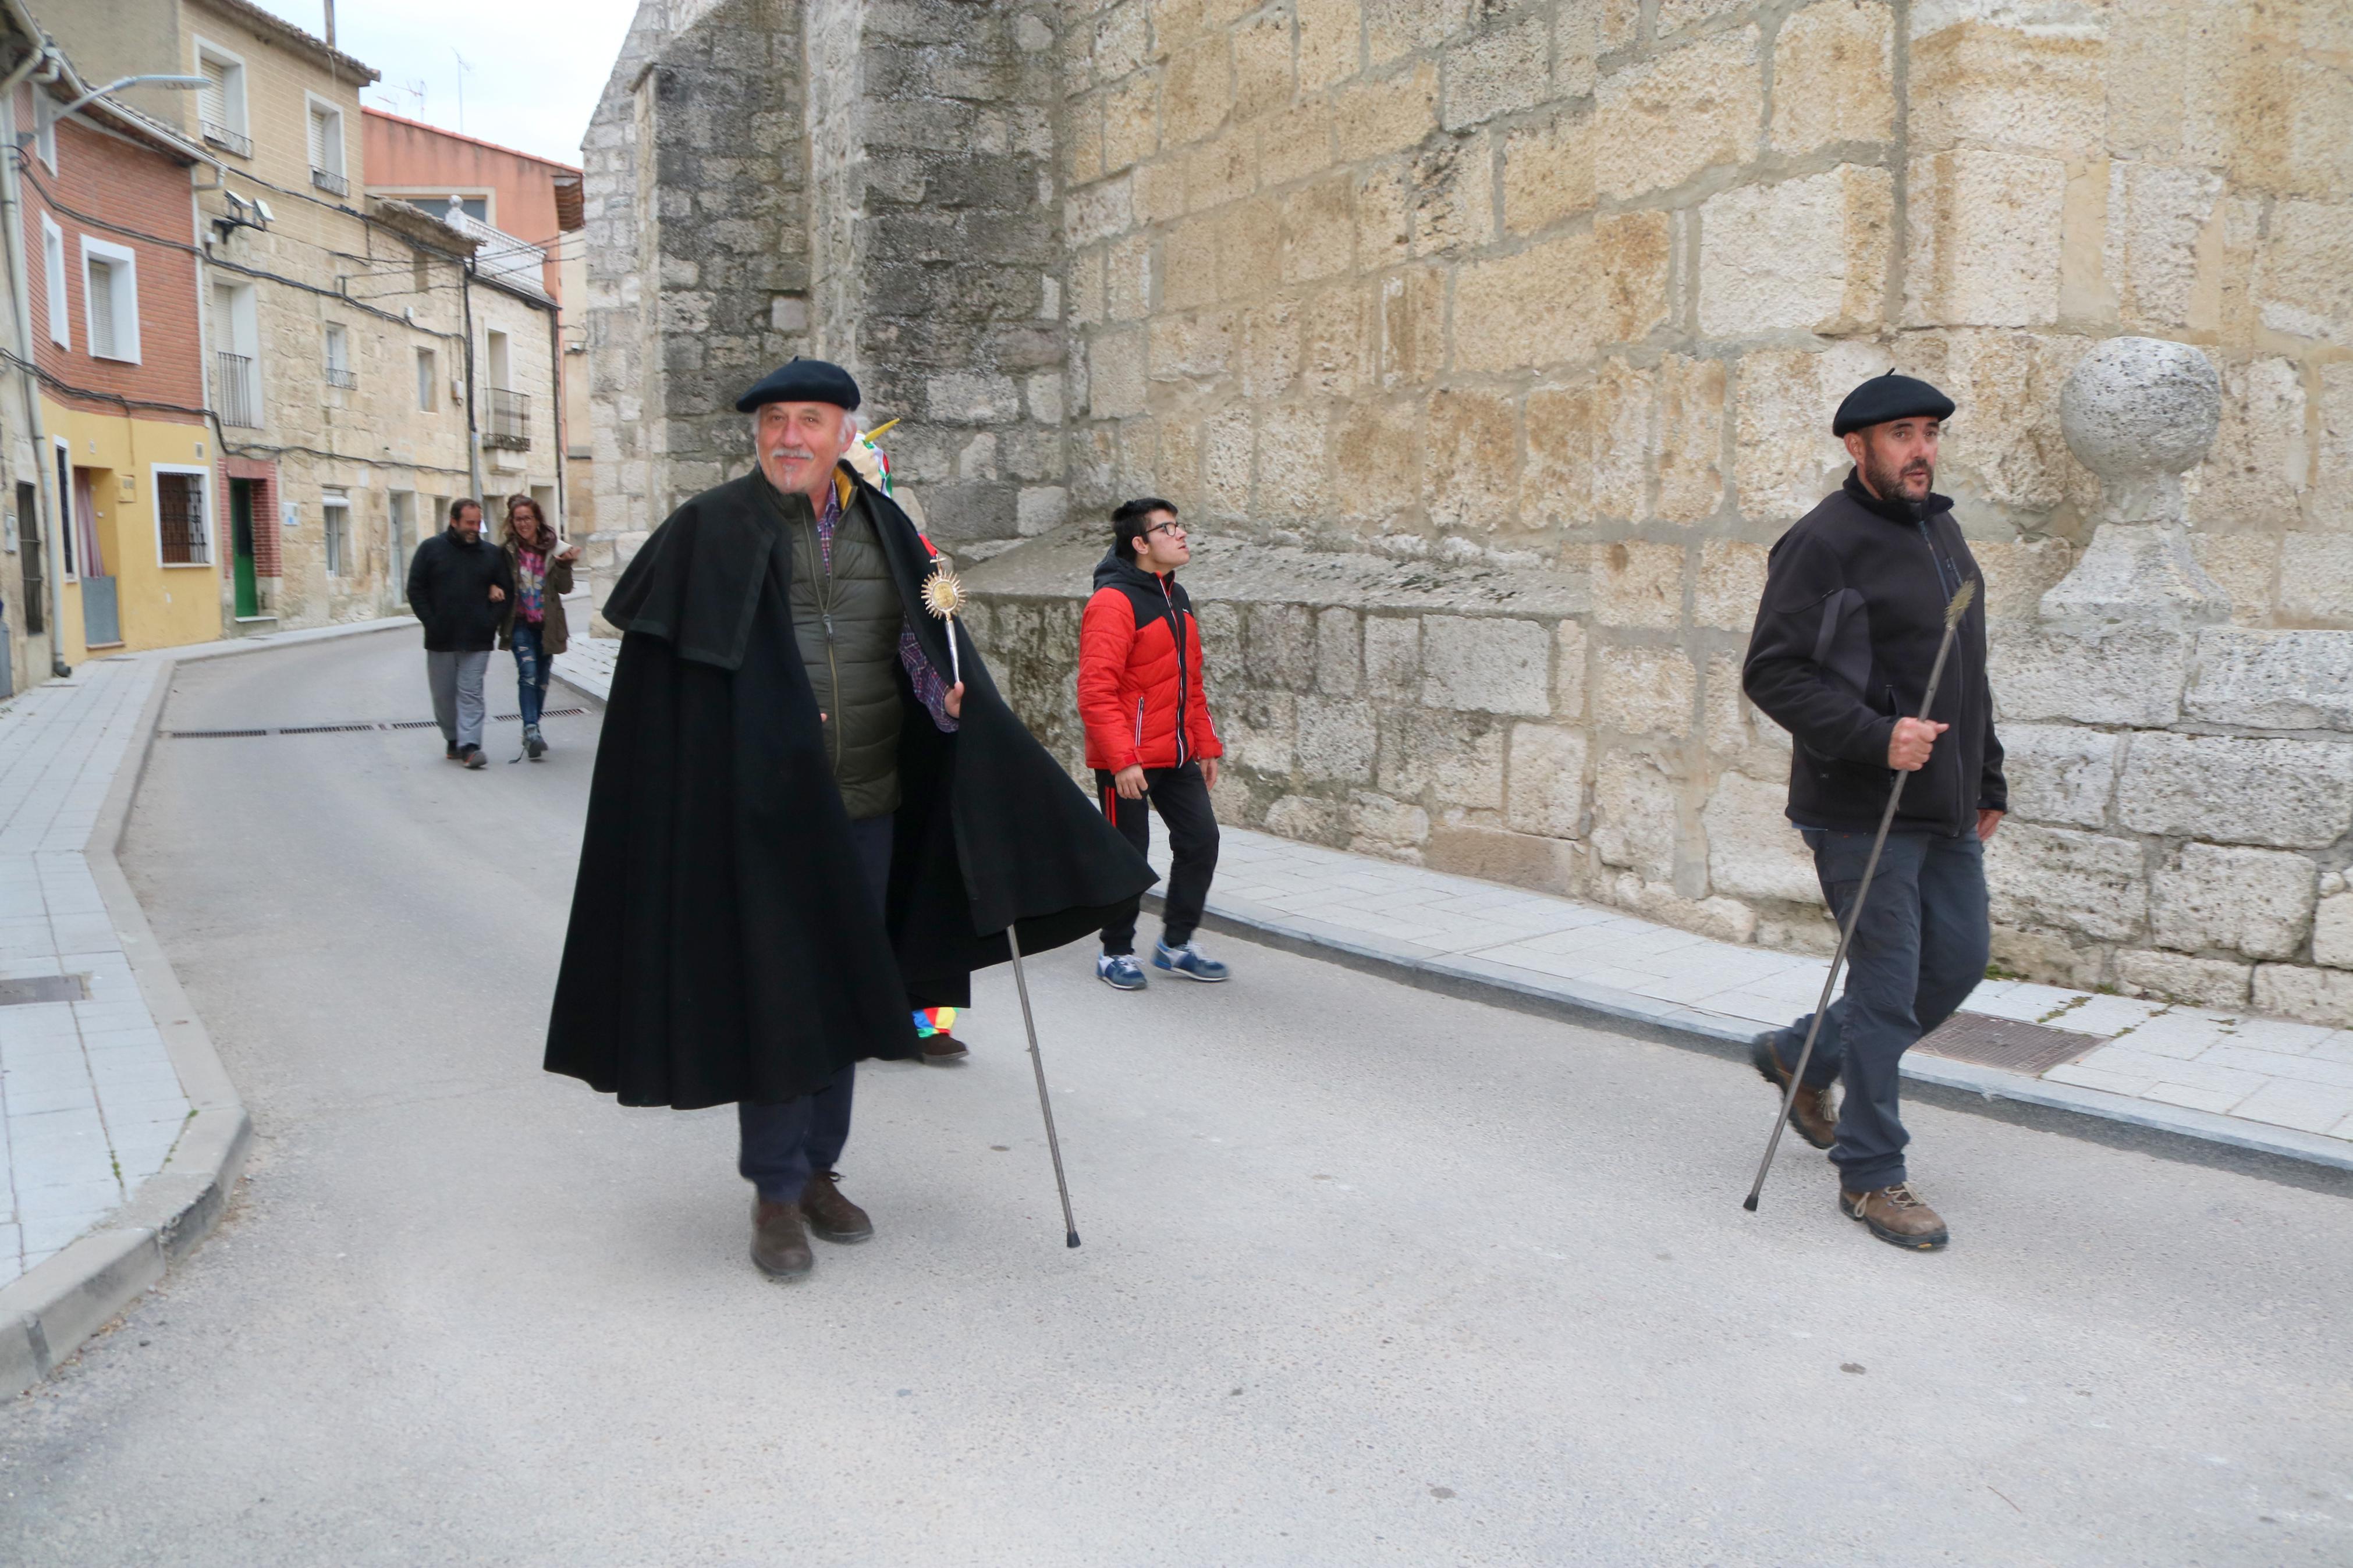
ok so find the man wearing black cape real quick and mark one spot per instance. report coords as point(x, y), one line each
point(795, 821)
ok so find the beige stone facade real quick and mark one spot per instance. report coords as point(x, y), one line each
point(1490, 347)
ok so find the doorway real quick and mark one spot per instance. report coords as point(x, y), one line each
point(101, 610)
point(240, 523)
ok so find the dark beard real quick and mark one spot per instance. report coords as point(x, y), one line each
point(1888, 482)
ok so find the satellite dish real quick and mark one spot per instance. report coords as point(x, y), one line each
point(263, 209)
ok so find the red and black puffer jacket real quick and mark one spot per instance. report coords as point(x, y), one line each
point(1140, 672)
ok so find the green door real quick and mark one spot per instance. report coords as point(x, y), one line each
point(240, 512)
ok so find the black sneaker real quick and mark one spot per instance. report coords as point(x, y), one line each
point(474, 759)
point(533, 743)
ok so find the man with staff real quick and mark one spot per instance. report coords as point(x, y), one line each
point(808, 805)
point(1870, 650)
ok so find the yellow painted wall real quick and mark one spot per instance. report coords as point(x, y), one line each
point(162, 606)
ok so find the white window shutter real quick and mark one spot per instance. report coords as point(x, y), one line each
point(102, 309)
point(319, 128)
point(212, 98)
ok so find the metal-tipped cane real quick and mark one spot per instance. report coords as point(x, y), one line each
point(1038, 1063)
point(1953, 609)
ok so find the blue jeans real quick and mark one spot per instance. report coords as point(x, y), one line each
point(783, 1145)
point(530, 671)
point(1919, 950)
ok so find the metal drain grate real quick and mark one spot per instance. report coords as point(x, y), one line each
point(368, 727)
point(44, 988)
point(2030, 1048)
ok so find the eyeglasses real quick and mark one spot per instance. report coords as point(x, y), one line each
point(1171, 527)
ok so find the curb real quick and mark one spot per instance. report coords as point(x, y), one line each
point(2192, 1137)
point(48, 1313)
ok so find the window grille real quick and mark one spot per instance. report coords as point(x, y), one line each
point(180, 512)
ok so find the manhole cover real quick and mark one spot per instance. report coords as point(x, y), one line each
point(44, 988)
point(2030, 1049)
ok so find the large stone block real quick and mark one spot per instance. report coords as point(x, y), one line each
point(1515, 859)
point(1568, 671)
point(1690, 445)
point(1634, 814)
point(2037, 87)
point(2157, 215)
point(1392, 829)
point(1753, 850)
point(2304, 281)
point(2315, 995)
point(1545, 788)
point(2057, 879)
point(1548, 171)
point(1278, 646)
point(1319, 229)
point(2278, 680)
point(1328, 31)
point(1453, 196)
point(1295, 143)
point(2316, 579)
point(1985, 239)
point(2012, 450)
point(1115, 374)
point(1806, 255)
point(1557, 484)
point(1387, 114)
point(1833, 76)
point(1498, 71)
point(1262, 75)
point(1730, 584)
point(1412, 326)
point(1556, 303)
point(2258, 902)
point(1195, 92)
point(1661, 122)
point(2121, 678)
point(2058, 773)
point(2178, 978)
point(1638, 582)
point(1644, 691)
point(2287, 794)
point(1310, 819)
point(2332, 931)
point(1473, 477)
point(2016, 573)
point(1261, 730)
point(1338, 741)
point(1393, 656)
point(1785, 458)
point(2255, 472)
point(1444, 759)
point(1378, 458)
point(1487, 664)
point(1339, 652)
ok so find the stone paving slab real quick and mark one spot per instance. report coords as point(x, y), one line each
point(2271, 1084)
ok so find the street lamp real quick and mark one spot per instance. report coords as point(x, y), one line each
point(180, 83)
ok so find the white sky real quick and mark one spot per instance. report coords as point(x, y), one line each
point(536, 67)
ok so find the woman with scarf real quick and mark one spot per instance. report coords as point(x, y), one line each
point(534, 626)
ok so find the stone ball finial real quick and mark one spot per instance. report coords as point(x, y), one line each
point(2140, 413)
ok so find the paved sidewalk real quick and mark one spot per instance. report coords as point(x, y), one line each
point(2261, 1083)
point(92, 1104)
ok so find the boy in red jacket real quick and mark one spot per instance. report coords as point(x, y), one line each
point(1148, 731)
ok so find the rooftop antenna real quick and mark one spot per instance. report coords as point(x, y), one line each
point(331, 23)
point(462, 68)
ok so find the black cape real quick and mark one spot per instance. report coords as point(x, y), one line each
point(722, 945)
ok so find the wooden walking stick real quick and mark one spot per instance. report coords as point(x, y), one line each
point(943, 596)
point(1953, 609)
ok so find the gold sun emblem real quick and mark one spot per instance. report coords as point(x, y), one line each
point(943, 594)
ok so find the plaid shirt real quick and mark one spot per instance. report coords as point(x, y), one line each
point(929, 689)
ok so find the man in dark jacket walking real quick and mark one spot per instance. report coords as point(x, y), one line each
point(1149, 733)
point(795, 821)
point(1852, 615)
point(458, 586)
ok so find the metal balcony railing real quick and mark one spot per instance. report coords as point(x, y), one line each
point(239, 391)
point(510, 421)
point(329, 182)
point(220, 135)
point(337, 376)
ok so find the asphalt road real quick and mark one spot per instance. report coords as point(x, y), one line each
point(1370, 1275)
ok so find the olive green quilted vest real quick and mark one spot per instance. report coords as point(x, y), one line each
point(846, 622)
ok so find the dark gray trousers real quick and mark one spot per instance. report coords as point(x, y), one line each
point(783, 1145)
point(1920, 949)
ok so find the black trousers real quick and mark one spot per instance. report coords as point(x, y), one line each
point(784, 1144)
point(1181, 796)
point(1919, 950)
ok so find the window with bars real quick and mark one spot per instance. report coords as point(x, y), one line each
point(339, 359)
point(336, 512)
point(185, 532)
point(327, 149)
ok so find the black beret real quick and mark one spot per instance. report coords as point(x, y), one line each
point(1890, 396)
point(801, 381)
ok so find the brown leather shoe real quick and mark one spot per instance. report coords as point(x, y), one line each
point(1896, 1213)
point(1814, 1112)
point(939, 1050)
point(779, 1245)
point(830, 1216)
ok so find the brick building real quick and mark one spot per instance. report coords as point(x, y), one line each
point(1492, 346)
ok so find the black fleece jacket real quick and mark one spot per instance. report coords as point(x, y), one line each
point(1853, 613)
point(450, 583)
